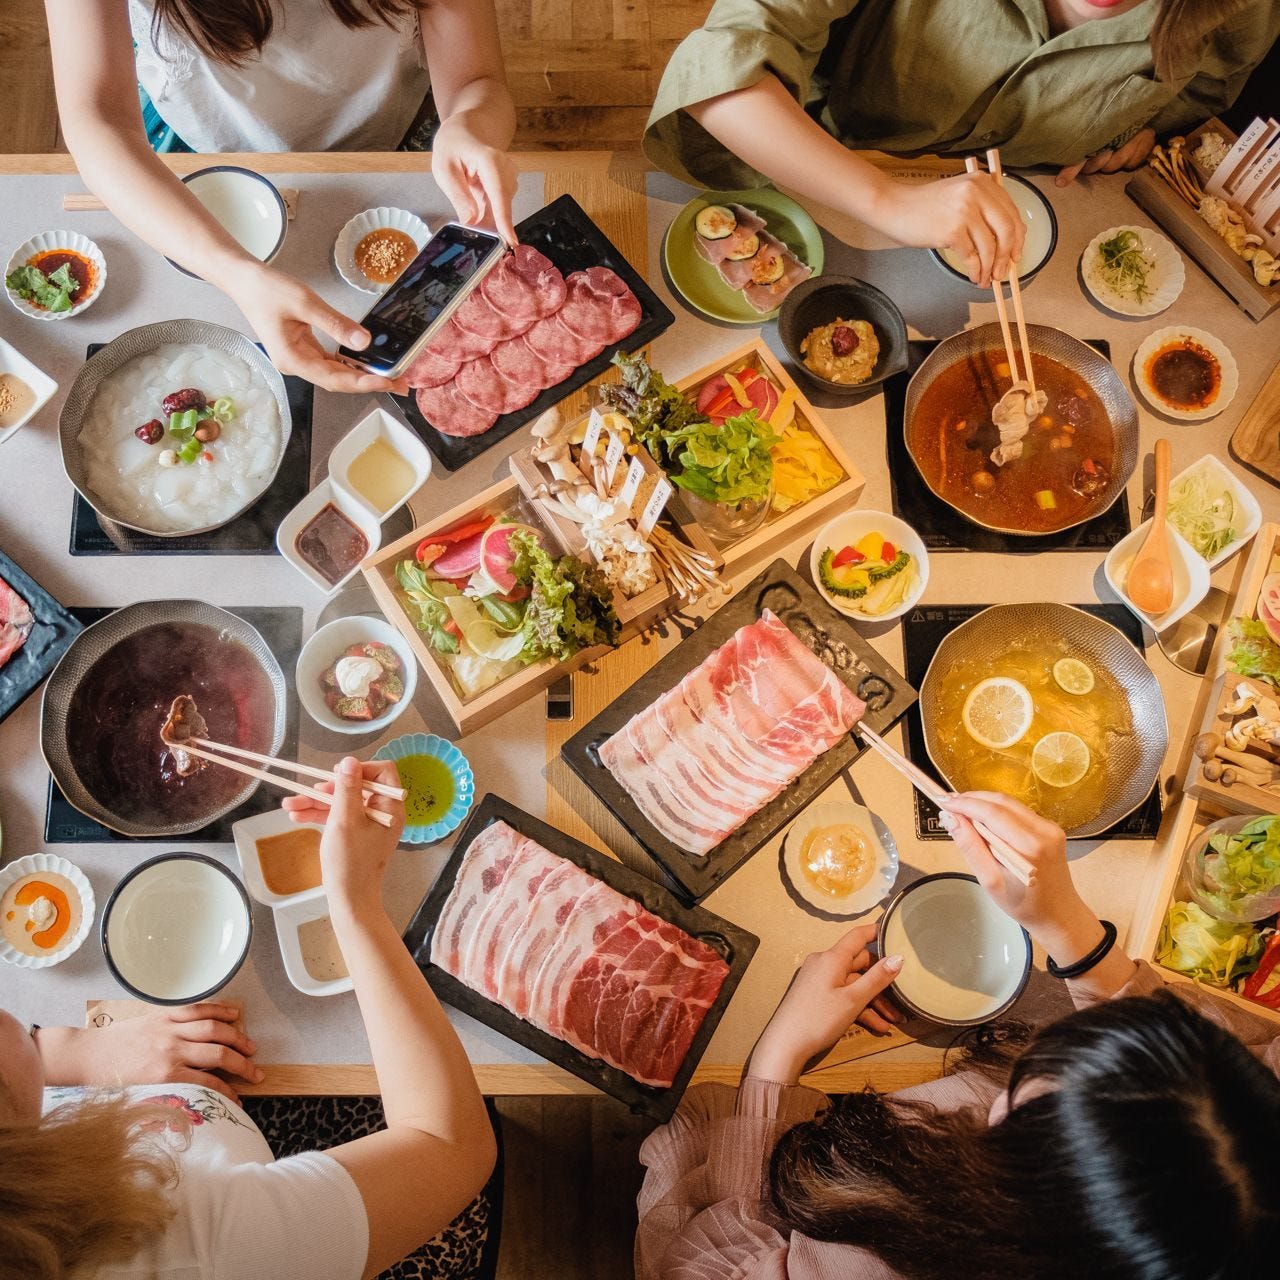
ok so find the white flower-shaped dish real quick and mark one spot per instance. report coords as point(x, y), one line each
point(1227, 387)
point(344, 249)
point(1165, 279)
point(46, 242)
point(47, 863)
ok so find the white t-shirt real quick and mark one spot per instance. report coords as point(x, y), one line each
point(242, 1214)
point(316, 86)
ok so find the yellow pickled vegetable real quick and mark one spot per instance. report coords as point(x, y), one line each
point(802, 468)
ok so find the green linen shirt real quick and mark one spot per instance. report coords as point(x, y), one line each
point(915, 76)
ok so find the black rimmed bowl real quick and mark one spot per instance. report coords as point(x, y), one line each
point(822, 299)
point(964, 962)
point(176, 929)
point(1041, 240)
point(248, 207)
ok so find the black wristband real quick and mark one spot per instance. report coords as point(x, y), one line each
point(1083, 965)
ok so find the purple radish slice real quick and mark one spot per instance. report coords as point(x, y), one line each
point(498, 555)
point(460, 559)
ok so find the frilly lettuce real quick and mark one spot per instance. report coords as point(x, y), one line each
point(1245, 864)
point(1253, 652)
point(570, 606)
point(1208, 950)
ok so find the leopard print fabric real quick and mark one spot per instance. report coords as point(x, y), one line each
point(467, 1249)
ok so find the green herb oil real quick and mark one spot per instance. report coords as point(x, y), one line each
point(430, 786)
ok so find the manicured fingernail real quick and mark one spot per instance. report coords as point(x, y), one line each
point(948, 820)
point(893, 963)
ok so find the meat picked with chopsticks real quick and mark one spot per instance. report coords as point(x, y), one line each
point(184, 723)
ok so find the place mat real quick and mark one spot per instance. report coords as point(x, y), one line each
point(253, 533)
point(939, 525)
point(52, 631)
point(281, 628)
point(923, 630)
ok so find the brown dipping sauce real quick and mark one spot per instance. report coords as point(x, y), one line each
point(290, 861)
point(1184, 374)
point(78, 267)
point(331, 544)
point(383, 254)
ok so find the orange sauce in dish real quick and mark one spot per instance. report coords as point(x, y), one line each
point(290, 861)
point(1184, 374)
point(383, 254)
point(78, 266)
point(49, 937)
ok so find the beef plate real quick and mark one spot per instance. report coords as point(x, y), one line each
point(741, 726)
point(535, 933)
point(526, 328)
point(16, 622)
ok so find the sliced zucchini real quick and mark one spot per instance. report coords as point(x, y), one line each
point(845, 581)
point(882, 571)
point(715, 222)
point(768, 267)
point(746, 248)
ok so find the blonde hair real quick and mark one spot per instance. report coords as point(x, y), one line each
point(89, 1182)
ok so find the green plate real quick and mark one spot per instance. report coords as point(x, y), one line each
point(701, 285)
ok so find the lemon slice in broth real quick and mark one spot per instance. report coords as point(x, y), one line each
point(997, 712)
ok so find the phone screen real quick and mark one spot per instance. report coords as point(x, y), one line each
point(449, 261)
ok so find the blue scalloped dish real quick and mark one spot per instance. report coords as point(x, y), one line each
point(464, 786)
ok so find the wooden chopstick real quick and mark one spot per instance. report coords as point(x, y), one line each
point(997, 291)
point(993, 163)
point(1003, 852)
point(285, 784)
point(294, 766)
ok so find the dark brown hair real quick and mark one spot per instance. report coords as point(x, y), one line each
point(1143, 1146)
point(1181, 29)
point(232, 30)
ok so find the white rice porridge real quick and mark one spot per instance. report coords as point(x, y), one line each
point(126, 473)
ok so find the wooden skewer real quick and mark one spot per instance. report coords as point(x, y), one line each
point(993, 163)
point(997, 290)
point(1004, 853)
point(369, 788)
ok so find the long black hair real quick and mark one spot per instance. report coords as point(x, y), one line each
point(1143, 1141)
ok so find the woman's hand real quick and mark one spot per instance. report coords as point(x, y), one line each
point(831, 991)
point(284, 313)
point(477, 178)
point(182, 1045)
point(1130, 156)
point(354, 850)
point(969, 214)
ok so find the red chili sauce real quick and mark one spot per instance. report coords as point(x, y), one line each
point(79, 267)
point(331, 544)
point(1184, 374)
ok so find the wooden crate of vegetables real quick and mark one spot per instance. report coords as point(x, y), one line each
point(480, 594)
point(727, 432)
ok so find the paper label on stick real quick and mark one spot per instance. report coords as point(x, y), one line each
point(595, 424)
point(631, 485)
point(1256, 181)
point(1249, 147)
point(1267, 217)
point(612, 456)
point(658, 500)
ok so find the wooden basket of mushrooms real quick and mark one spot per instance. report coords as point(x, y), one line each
point(1237, 758)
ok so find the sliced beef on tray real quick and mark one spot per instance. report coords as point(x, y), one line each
point(486, 388)
point(478, 316)
point(16, 622)
point(600, 308)
point(526, 286)
point(516, 361)
point(556, 344)
point(749, 223)
point(431, 369)
point(451, 413)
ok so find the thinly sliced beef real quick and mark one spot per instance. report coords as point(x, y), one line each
point(556, 344)
point(526, 285)
point(430, 369)
point(451, 413)
point(516, 361)
point(585, 312)
point(486, 388)
point(458, 345)
point(476, 315)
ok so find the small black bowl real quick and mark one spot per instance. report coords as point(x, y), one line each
point(825, 298)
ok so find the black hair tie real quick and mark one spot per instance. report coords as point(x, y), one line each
point(1096, 956)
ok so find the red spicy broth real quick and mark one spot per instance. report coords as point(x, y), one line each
point(115, 717)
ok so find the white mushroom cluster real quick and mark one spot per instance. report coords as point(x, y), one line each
point(1260, 725)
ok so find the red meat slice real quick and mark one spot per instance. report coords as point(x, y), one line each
point(555, 373)
point(486, 388)
point(451, 413)
point(430, 369)
point(552, 342)
point(516, 361)
point(625, 314)
point(16, 622)
point(477, 316)
point(543, 274)
point(525, 286)
point(457, 344)
point(586, 313)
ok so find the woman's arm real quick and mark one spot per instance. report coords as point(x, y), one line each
point(438, 1148)
point(96, 83)
point(767, 127)
point(477, 116)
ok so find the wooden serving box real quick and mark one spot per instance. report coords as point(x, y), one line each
point(1203, 802)
point(380, 573)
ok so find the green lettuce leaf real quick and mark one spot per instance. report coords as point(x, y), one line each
point(1211, 951)
point(570, 606)
point(1253, 651)
point(1243, 865)
point(52, 292)
point(730, 463)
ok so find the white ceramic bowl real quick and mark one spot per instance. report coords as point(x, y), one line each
point(1165, 279)
point(326, 646)
point(13, 361)
point(245, 204)
point(1190, 575)
point(176, 929)
point(1041, 239)
point(297, 520)
point(379, 424)
point(1246, 504)
point(853, 525)
point(830, 813)
point(344, 248)
point(289, 919)
point(1227, 388)
point(964, 961)
point(43, 243)
point(246, 833)
point(35, 864)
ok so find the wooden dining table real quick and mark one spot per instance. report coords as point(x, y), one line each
point(311, 1045)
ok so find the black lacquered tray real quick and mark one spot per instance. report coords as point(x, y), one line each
point(281, 628)
point(52, 633)
point(735, 945)
point(831, 636)
point(563, 231)
point(252, 533)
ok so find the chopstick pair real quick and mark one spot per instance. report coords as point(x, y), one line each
point(199, 747)
point(997, 288)
point(1004, 853)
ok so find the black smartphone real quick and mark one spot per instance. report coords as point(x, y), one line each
point(423, 297)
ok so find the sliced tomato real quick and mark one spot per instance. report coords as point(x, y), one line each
point(463, 531)
point(847, 555)
point(889, 553)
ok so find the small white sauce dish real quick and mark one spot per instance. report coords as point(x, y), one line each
point(1227, 387)
point(326, 646)
point(37, 864)
point(290, 919)
point(246, 833)
point(1165, 277)
point(1220, 477)
point(49, 241)
point(176, 929)
point(324, 494)
point(964, 961)
point(847, 529)
point(836, 813)
point(1041, 239)
point(245, 204)
point(374, 426)
point(13, 362)
point(1190, 575)
point(344, 248)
